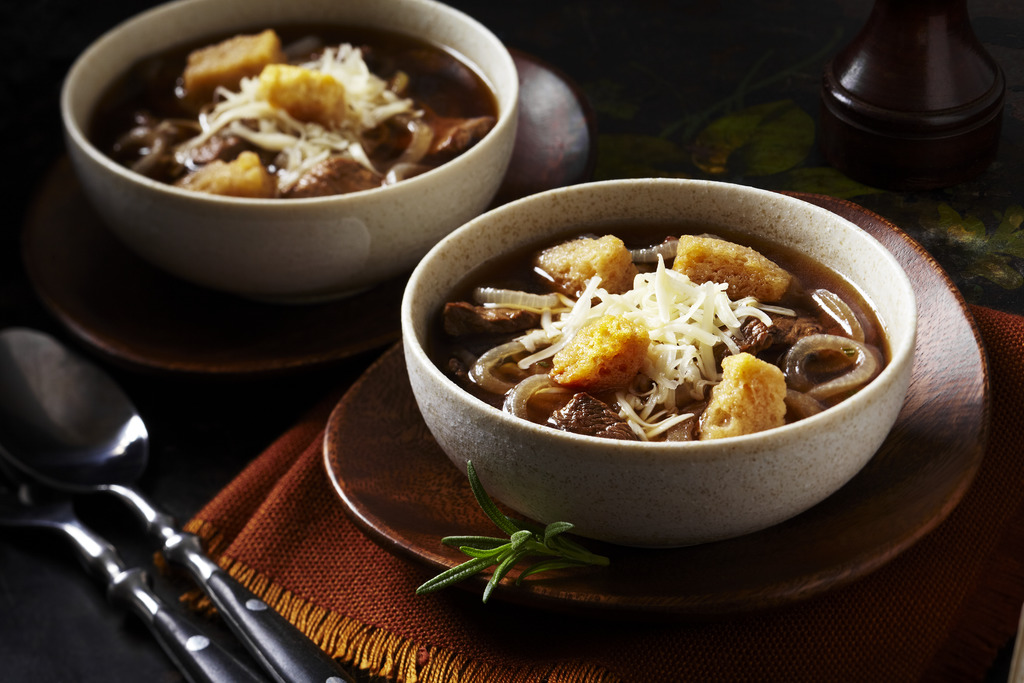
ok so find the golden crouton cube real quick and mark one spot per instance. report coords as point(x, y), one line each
point(573, 263)
point(606, 354)
point(746, 271)
point(243, 177)
point(750, 398)
point(307, 95)
point(227, 63)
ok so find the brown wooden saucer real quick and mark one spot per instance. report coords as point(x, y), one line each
point(400, 488)
point(144, 318)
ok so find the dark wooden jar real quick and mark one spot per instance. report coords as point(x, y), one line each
point(914, 101)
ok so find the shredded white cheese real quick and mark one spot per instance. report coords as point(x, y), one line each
point(301, 145)
point(685, 322)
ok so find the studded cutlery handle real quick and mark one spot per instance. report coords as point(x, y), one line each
point(281, 649)
point(198, 658)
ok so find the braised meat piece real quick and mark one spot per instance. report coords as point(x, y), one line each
point(689, 429)
point(463, 318)
point(454, 136)
point(584, 414)
point(224, 148)
point(757, 337)
point(335, 175)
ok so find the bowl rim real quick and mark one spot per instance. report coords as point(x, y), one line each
point(74, 123)
point(901, 350)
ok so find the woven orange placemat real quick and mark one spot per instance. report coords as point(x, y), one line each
point(939, 611)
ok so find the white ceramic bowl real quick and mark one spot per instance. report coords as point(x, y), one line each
point(662, 494)
point(295, 249)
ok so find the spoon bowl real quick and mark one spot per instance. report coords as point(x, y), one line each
point(70, 423)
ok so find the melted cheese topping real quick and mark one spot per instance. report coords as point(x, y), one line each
point(685, 321)
point(301, 145)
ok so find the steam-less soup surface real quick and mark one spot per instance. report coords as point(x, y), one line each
point(680, 333)
point(294, 111)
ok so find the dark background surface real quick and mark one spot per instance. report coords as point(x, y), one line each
point(657, 74)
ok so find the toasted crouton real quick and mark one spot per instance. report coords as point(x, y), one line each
point(606, 354)
point(243, 177)
point(307, 95)
point(227, 63)
point(573, 263)
point(750, 398)
point(745, 270)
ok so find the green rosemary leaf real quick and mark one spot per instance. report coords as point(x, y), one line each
point(475, 541)
point(501, 570)
point(526, 539)
point(498, 552)
point(454, 575)
point(484, 501)
point(554, 529)
point(547, 565)
point(568, 548)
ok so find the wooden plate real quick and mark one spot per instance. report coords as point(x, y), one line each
point(142, 317)
point(398, 485)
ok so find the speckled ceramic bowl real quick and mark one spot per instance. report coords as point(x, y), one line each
point(296, 249)
point(662, 494)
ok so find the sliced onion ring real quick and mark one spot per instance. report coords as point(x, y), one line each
point(517, 400)
point(481, 372)
point(866, 365)
point(840, 311)
point(666, 249)
point(514, 297)
point(802, 404)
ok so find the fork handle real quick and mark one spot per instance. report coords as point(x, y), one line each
point(198, 658)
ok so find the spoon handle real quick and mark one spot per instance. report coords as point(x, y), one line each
point(198, 658)
point(281, 648)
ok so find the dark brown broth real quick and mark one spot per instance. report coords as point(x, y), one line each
point(438, 79)
point(515, 271)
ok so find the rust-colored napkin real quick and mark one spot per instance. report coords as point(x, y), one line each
point(280, 528)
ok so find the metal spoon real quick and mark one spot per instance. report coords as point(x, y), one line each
point(66, 424)
point(198, 658)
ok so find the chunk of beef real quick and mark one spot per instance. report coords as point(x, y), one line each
point(453, 136)
point(336, 175)
point(756, 337)
point(584, 414)
point(688, 429)
point(223, 148)
point(462, 318)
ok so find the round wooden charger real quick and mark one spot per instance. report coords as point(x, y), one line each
point(398, 485)
point(144, 318)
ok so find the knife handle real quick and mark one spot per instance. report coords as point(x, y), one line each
point(198, 658)
point(281, 648)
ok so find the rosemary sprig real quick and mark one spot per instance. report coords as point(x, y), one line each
point(525, 540)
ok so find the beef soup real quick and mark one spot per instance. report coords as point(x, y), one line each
point(693, 336)
point(294, 112)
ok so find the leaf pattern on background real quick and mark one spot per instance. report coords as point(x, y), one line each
point(988, 255)
point(760, 140)
point(639, 156)
point(825, 180)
